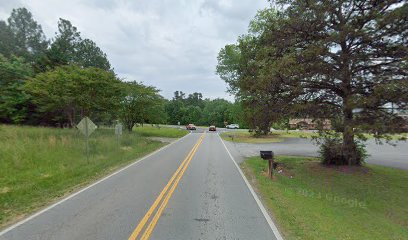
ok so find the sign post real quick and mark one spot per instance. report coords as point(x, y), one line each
point(268, 155)
point(118, 132)
point(86, 127)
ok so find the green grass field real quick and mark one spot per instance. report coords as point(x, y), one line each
point(318, 202)
point(399, 137)
point(39, 165)
point(279, 136)
point(247, 137)
point(149, 131)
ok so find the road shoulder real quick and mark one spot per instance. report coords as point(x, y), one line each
point(255, 196)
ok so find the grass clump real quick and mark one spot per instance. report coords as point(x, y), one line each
point(312, 201)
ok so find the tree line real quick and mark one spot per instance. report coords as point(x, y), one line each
point(58, 81)
point(339, 60)
point(194, 109)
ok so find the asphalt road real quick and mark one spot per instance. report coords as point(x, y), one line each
point(385, 154)
point(207, 198)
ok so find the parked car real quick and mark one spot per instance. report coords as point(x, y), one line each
point(233, 126)
point(191, 127)
point(212, 128)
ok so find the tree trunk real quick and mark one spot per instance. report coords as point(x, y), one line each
point(71, 116)
point(349, 148)
point(129, 125)
point(265, 130)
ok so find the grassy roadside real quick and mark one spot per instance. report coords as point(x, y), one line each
point(39, 165)
point(279, 136)
point(331, 203)
point(398, 137)
point(247, 137)
point(149, 131)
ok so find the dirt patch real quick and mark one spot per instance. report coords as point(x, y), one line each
point(4, 190)
point(284, 170)
point(281, 169)
point(126, 148)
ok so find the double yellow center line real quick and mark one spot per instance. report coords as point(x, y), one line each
point(164, 197)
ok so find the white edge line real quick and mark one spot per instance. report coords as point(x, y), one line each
point(260, 205)
point(86, 188)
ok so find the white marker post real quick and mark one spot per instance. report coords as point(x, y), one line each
point(86, 127)
point(118, 132)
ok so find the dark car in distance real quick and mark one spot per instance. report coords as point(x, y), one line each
point(212, 128)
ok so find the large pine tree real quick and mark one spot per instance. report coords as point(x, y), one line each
point(329, 59)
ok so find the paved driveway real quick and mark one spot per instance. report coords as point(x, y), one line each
point(385, 154)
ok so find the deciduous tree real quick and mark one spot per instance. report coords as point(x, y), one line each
point(140, 104)
point(75, 91)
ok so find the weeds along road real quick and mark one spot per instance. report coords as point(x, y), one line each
point(191, 189)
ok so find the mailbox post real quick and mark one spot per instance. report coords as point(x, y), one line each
point(268, 155)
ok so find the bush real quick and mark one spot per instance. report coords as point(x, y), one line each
point(331, 152)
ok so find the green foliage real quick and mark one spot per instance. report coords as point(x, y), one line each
point(239, 66)
point(194, 109)
point(72, 78)
point(228, 65)
point(216, 112)
point(29, 40)
point(24, 51)
point(331, 150)
point(175, 111)
point(195, 99)
point(63, 48)
point(140, 104)
point(14, 102)
point(90, 55)
point(75, 91)
point(69, 48)
point(323, 59)
point(6, 40)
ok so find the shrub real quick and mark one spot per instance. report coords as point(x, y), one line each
point(331, 152)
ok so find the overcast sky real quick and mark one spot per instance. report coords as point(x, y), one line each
point(170, 44)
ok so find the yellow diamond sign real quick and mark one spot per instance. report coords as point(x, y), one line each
point(86, 126)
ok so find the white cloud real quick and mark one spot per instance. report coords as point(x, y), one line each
point(169, 44)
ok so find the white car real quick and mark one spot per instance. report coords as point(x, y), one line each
point(233, 126)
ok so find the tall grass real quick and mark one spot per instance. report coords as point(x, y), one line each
point(38, 165)
point(169, 132)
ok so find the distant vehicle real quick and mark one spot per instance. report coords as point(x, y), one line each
point(233, 126)
point(212, 128)
point(191, 127)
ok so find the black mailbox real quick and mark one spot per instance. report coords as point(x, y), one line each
point(267, 155)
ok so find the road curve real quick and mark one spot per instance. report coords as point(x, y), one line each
point(211, 201)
